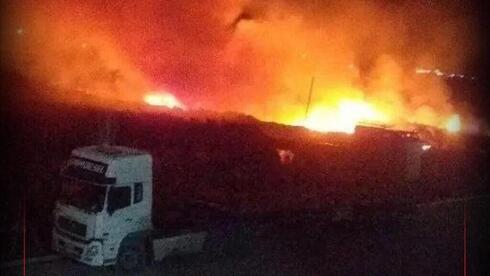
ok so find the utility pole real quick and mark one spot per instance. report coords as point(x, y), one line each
point(107, 139)
point(309, 97)
point(108, 127)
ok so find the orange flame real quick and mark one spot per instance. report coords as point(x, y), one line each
point(343, 117)
point(249, 62)
point(163, 99)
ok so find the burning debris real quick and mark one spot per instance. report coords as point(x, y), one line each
point(286, 156)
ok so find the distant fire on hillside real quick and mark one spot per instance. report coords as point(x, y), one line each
point(163, 99)
point(259, 58)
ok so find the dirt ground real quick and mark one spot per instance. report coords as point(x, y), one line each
point(428, 242)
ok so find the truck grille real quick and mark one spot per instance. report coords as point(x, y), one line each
point(72, 226)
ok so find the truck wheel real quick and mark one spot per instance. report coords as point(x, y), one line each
point(132, 257)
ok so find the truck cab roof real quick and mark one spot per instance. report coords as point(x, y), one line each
point(107, 152)
point(104, 164)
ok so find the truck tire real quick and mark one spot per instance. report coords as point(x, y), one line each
point(132, 257)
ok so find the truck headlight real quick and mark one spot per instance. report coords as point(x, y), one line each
point(92, 251)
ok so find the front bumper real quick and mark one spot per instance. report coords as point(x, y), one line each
point(87, 252)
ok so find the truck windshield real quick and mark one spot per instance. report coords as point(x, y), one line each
point(84, 195)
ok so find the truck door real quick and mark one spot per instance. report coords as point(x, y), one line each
point(119, 221)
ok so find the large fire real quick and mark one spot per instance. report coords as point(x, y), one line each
point(342, 117)
point(345, 114)
point(254, 57)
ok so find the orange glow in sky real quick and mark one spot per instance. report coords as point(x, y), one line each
point(241, 56)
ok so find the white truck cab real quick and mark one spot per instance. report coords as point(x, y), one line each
point(103, 214)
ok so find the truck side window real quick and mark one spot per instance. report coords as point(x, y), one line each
point(138, 192)
point(119, 197)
